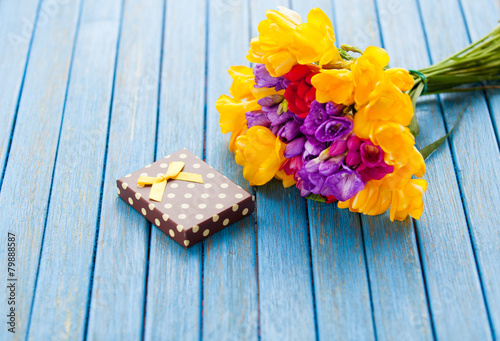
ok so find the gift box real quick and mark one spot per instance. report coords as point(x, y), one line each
point(185, 197)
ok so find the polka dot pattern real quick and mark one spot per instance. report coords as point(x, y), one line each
point(187, 209)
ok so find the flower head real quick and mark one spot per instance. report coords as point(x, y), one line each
point(300, 92)
point(260, 153)
point(314, 40)
point(272, 47)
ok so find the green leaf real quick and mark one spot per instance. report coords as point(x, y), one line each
point(414, 94)
point(316, 197)
point(414, 127)
point(431, 148)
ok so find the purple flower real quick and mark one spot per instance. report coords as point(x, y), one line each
point(333, 129)
point(295, 147)
point(367, 158)
point(264, 80)
point(257, 118)
point(329, 176)
point(319, 114)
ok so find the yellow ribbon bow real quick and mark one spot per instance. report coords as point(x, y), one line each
point(174, 172)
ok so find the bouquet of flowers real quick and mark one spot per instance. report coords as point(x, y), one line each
point(337, 122)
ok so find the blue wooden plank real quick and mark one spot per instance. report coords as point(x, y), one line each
point(59, 311)
point(452, 281)
point(17, 19)
point(338, 258)
point(32, 154)
point(397, 289)
point(284, 266)
point(475, 151)
point(230, 306)
point(120, 268)
point(174, 283)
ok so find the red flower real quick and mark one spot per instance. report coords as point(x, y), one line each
point(300, 93)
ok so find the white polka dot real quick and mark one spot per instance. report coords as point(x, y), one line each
point(118, 190)
point(164, 165)
point(182, 216)
point(224, 185)
point(167, 157)
point(128, 175)
point(137, 196)
point(195, 228)
point(190, 185)
point(210, 175)
point(140, 185)
point(204, 195)
point(188, 195)
point(165, 217)
point(186, 242)
point(219, 206)
point(225, 222)
point(235, 207)
point(151, 207)
point(215, 218)
point(253, 197)
point(167, 205)
point(171, 195)
point(239, 196)
point(144, 174)
point(171, 233)
point(202, 206)
point(182, 156)
point(196, 165)
point(222, 195)
point(157, 222)
point(185, 206)
point(199, 216)
point(130, 201)
point(143, 210)
point(179, 228)
point(124, 185)
point(174, 185)
point(148, 166)
point(245, 211)
point(208, 185)
point(206, 232)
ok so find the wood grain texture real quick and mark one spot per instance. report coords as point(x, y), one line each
point(118, 293)
point(475, 151)
point(230, 307)
point(451, 277)
point(24, 205)
point(338, 258)
point(397, 289)
point(173, 303)
point(70, 231)
point(17, 20)
point(480, 18)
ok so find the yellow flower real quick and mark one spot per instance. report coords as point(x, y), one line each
point(367, 71)
point(395, 140)
point(272, 47)
point(334, 85)
point(232, 116)
point(400, 78)
point(314, 40)
point(288, 180)
point(260, 153)
point(386, 102)
point(408, 200)
point(371, 200)
point(243, 82)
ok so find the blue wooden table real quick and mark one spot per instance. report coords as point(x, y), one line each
point(91, 90)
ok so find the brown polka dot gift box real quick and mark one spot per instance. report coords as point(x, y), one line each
point(185, 197)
